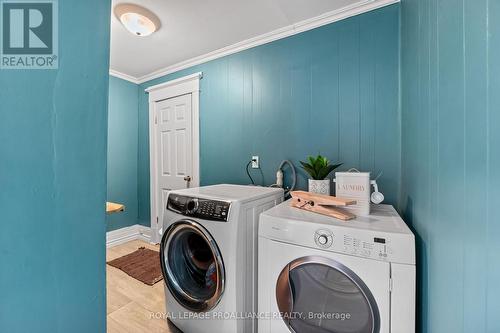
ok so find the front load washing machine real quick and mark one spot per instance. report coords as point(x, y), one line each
point(321, 275)
point(209, 256)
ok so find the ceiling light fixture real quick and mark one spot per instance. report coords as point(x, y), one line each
point(136, 19)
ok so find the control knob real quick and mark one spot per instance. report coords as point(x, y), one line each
point(192, 206)
point(323, 238)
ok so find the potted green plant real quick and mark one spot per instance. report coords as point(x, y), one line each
point(319, 168)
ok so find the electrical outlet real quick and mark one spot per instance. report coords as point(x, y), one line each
point(255, 162)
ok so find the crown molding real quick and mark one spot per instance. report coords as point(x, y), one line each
point(124, 76)
point(302, 26)
point(185, 79)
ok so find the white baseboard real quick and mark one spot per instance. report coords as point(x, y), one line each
point(127, 234)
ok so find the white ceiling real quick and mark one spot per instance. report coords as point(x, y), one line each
point(192, 28)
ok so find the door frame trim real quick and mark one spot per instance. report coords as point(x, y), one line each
point(185, 85)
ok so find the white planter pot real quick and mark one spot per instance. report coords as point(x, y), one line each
point(319, 186)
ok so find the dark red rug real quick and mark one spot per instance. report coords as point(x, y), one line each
point(143, 265)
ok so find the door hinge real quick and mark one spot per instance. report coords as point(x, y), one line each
point(391, 286)
point(156, 120)
point(157, 220)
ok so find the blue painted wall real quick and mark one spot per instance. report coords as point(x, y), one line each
point(451, 159)
point(53, 126)
point(122, 151)
point(333, 90)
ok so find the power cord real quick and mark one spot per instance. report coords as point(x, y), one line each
point(248, 172)
point(279, 176)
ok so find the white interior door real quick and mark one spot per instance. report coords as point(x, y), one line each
point(174, 141)
point(174, 137)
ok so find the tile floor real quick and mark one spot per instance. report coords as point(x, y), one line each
point(131, 302)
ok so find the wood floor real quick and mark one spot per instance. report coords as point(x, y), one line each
point(131, 303)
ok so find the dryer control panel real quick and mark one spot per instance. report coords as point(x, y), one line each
point(381, 236)
point(204, 209)
point(377, 248)
point(361, 246)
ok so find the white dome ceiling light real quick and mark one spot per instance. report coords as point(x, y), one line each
point(136, 19)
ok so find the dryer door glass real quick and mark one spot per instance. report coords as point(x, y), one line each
point(320, 295)
point(192, 266)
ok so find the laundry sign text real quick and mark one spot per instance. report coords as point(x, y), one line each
point(29, 34)
point(355, 186)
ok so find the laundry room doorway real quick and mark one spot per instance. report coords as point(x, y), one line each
point(174, 142)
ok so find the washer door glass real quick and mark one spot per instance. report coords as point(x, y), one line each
point(320, 295)
point(192, 266)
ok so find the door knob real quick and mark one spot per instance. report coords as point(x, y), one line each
point(187, 178)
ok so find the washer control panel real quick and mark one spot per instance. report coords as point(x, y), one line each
point(376, 248)
point(199, 208)
point(323, 238)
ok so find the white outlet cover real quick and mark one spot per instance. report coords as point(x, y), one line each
point(255, 162)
